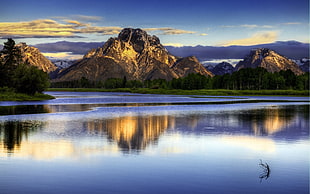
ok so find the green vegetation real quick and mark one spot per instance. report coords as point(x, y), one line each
point(210, 92)
point(243, 82)
point(8, 94)
point(20, 81)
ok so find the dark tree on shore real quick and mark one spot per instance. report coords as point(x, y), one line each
point(24, 78)
point(10, 58)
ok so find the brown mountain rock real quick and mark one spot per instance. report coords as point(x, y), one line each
point(133, 54)
point(32, 56)
point(269, 60)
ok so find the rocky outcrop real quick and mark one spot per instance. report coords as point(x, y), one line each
point(222, 69)
point(32, 56)
point(268, 59)
point(133, 54)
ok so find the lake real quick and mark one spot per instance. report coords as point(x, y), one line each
point(136, 143)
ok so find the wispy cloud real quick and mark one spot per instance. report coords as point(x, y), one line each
point(50, 28)
point(247, 26)
point(203, 34)
point(63, 55)
point(169, 31)
point(173, 44)
point(72, 26)
point(257, 38)
point(292, 23)
point(82, 18)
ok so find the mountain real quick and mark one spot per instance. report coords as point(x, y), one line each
point(133, 54)
point(269, 60)
point(61, 64)
point(222, 68)
point(32, 56)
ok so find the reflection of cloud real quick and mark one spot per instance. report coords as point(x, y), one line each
point(250, 142)
point(258, 38)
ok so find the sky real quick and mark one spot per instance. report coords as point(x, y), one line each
point(176, 23)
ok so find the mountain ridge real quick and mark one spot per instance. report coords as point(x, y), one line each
point(135, 55)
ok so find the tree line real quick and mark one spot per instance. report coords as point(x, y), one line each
point(244, 79)
point(16, 75)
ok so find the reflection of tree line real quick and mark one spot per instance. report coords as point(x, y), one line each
point(134, 133)
point(13, 132)
point(23, 109)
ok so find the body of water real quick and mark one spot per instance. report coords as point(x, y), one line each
point(135, 143)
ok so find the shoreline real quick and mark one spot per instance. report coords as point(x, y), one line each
point(220, 92)
point(12, 96)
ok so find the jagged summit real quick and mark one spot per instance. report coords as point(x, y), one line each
point(32, 56)
point(268, 59)
point(134, 54)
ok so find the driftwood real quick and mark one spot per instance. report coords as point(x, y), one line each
point(266, 173)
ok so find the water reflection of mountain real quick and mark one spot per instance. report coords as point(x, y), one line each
point(281, 122)
point(132, 133)
point(135, 133)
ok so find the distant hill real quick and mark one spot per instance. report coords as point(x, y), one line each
point(135, 55)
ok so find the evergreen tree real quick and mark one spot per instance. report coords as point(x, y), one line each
point(10, 58)
point(29, 79)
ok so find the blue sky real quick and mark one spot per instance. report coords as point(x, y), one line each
point(179, 23)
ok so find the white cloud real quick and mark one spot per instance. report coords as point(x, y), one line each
point(51, 28)
point(173, 44)
point(257, 38)
point(247, 26)
point(292, 23)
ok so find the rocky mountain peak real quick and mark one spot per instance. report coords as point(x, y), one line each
point(268, 59)
point(138, 38)
point(136, 55)
point(32, 56)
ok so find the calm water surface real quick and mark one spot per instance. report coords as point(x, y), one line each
point(134, 143)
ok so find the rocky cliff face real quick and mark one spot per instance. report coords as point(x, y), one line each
point(269, 60)
point(32, 56)
point(133, 54)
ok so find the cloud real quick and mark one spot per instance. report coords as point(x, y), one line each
point(50, 28)
point(86, 18)
point(83, 18)
point(247, 26)
point(63, 55)
point(203, 34)
point(169, 31)
point(292, 23)
point(258, 38)
point(173, 44)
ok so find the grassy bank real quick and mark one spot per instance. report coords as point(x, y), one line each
point(12, 96)
point(193, 92)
